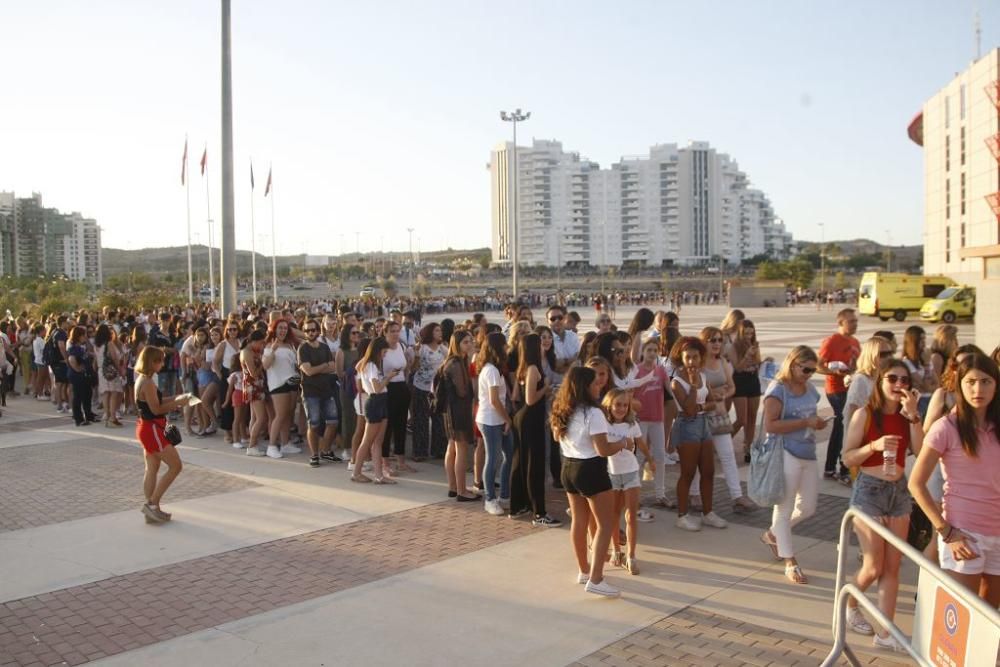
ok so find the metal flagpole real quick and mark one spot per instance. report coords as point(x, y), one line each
point(208, 213)
point(253, 239)
point(274, 246)
point(227, 246)
point(187, 190)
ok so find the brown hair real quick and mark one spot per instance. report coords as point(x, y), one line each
point(149, 357)
point(965, 413)
point(574, 392)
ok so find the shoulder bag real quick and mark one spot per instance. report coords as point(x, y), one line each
point(766, 482)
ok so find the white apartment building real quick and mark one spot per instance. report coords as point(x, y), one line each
point(676, 206)
point(35, 240)
point(959, 130)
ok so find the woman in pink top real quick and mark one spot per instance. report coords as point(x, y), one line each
point(966, 444)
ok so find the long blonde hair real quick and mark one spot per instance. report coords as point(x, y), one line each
point(871, 353)
point(731, 321)
point(797, 355)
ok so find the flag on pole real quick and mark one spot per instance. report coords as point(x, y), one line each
point(204, 160)
point(251, 175)
point(267, 188)
point(184, 161)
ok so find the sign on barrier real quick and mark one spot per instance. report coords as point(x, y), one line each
point(943, 625)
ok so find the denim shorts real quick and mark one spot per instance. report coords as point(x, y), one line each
point(377, 407)
point(688, 430)
point(320, 411)
point(625, 481)
point(877, 497)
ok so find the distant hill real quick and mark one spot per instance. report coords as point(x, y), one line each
point(911, 256)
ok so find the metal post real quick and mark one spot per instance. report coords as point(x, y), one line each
point(410, 232)
point(228, 263)
point(513, 118)
point(253, 242)
point(274, 253)
point(187, 191)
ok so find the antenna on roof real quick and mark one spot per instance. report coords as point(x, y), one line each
point(979, 35)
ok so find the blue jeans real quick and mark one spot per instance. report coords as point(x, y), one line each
point(837, 402)
point(497, 443)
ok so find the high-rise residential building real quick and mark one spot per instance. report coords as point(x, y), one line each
point(676, 206)
point(959, 130)
point(35, 240)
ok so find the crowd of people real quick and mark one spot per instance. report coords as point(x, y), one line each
point(522, 403)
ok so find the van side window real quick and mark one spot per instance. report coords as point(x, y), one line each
point(931, 291)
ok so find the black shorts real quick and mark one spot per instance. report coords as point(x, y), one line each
point(586, 477)
point(60, 371)
point(747, 384)
point(284, 389)
point(377, 407)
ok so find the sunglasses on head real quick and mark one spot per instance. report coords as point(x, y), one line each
point(892, 378)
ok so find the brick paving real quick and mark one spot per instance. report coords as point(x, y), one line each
point(91, 621)
point(62, 481)
point(697, 637)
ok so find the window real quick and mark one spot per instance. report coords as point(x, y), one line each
point(962, 147)
point(947, 153)
point(932, 290)
point(947, 244)
point(947, 112)
point(962, 205)
point(947, 199)
point(961, 102)
point(961, 240)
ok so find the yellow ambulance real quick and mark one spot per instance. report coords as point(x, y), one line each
point(951, 304)
point(894, 295)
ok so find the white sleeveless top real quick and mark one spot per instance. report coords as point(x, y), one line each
point(702, 392)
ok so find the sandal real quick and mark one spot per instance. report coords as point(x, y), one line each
point(794, 574)
point(363, 479)
point(384, 480)
point(618, 559)
point(403, 467)
point(632, 565)
point(767, 538)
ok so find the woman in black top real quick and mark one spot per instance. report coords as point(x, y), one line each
point(458, 417)
point(81, 371)
point(528, 467)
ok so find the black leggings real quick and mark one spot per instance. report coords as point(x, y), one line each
point(227, 414)
point(527, 475)
point(83, 394)
point(395, 428)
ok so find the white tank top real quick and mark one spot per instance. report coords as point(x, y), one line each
point(701, 394)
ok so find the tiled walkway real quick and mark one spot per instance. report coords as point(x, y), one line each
point(74, 625)
point(51, 483)
point(695, 637)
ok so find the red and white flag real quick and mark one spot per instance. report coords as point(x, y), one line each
point(267, 188)
point(184, 161)
point(204, 161)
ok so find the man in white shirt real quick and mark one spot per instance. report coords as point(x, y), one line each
point(565, 342)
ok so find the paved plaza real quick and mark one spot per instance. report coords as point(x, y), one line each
point(274, 563)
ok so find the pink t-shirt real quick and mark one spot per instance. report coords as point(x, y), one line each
point(971, 485)
point(650, 395)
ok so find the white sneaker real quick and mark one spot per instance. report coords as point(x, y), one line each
point(714, 520)
point(887, 644)
point(583, 577)
point(688, 522)
point(244, 442)
point(274, 452)
point(60, 408)
point(350, 467)
point(603, 588)
point(857, 622)
point(290, 449)
point(345, 454)
point(239, 445)
point(493, 507)
point(672, 459)
point(254, 451)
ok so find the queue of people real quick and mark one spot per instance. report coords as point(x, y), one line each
point(518, 403)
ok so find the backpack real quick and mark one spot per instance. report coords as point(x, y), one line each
point(351, 381)
point(439, 392)
point(50, 353)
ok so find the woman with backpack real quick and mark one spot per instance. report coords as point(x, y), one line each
point(111, 374)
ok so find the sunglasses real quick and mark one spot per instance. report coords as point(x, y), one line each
point(808, 370)
point(556, 318)
point(715, 340)
point(311, 330)
point(892, 378)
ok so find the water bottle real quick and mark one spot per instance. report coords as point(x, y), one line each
point(889, 460)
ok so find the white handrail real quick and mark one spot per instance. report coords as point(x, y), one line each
point(843, 591)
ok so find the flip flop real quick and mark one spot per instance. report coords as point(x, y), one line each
point(766, 539)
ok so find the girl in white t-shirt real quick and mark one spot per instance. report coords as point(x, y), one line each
point(623, 469)
point(375, 384)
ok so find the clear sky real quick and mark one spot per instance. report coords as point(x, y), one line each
point(379, 116)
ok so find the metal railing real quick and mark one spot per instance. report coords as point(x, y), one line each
point(843, 591)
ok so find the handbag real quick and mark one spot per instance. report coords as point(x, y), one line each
point(172, 434)
point(719, 423)
point(108, 367)
point(766, 482)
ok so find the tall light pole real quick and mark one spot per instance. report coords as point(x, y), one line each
point(228, 263)
point(822, 257)
point(409, 230)
point(514, 118)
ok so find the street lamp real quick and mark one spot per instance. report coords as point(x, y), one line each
point(822, 257)
point(514, 118)
point(409, 231)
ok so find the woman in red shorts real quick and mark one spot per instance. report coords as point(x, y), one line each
point(152, 409)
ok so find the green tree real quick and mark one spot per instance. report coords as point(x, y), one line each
point(388, 285)
point(769, 270)
point(839, 280)
point(801, 273)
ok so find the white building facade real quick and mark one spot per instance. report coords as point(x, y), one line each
point(35, 240)
point(676, 206)
point(959, 130)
